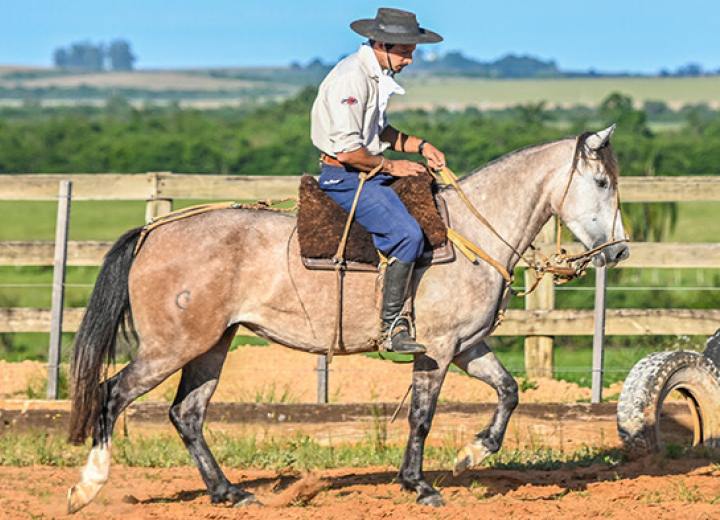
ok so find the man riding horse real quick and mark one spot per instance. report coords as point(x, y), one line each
point(350, 127)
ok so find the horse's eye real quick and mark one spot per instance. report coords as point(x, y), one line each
point(601, 183)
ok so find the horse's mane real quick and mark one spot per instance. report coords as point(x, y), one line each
point(606, 155)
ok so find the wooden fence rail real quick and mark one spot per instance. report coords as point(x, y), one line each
point(545, 322)
point(539, 321)
point(657, 255)
point(166, 185)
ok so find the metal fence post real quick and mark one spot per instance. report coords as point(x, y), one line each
point(599, 334)
point(322, 379)
point(58, 295)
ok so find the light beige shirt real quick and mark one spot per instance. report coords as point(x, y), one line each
point(347, 112)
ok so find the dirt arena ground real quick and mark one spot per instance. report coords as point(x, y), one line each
point(277, 374)
point(642, 490)
point(651, 488)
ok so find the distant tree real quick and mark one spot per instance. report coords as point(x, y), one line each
point(690, 69)
point(89, 57)
point(512, 66)
point(618, 108)
point(120, 56)
point(61, 58)
point(655, 108)
point(316, 63)
point(533, 113)
point(81, 56)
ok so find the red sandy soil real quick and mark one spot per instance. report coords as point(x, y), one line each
point(277, 374)
point(648, 489)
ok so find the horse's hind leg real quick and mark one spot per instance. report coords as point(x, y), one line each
point(139, 377)
point(197, 385)
point(480, 362)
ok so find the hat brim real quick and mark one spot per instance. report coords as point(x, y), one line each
point(369, 29)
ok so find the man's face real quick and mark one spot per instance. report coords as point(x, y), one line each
point(400, 56)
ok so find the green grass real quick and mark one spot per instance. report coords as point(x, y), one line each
point(89, 220)
point(573, 355)
point(697, 222)
point(298, 452)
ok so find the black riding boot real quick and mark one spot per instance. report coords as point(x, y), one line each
point(396, 326)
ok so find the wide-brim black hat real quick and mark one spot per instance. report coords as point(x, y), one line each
point(394, 26)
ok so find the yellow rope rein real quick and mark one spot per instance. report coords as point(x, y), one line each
point(339, 260)
point(191, 211)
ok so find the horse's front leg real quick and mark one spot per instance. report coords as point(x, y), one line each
point(480, 362)
point(428, 376)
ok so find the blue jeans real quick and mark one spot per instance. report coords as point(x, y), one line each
point(395, 232)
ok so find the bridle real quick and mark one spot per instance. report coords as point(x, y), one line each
point(563, 266)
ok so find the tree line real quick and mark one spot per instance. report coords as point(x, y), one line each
point(274, 139)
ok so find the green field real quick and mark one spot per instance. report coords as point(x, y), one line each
point(489, 94)
point(205, 89)
point(697, 222)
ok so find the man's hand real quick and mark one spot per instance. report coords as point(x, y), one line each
point(403, 168)
point(435, 158)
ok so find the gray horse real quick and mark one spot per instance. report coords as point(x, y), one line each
point(195, 281)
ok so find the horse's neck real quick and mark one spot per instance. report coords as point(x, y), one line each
point(513, 194)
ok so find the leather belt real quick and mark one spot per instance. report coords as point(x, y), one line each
point(330, 160)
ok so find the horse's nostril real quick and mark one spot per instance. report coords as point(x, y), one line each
point(623, 254)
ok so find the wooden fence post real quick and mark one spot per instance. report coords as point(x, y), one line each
point(58, 295)
point(539, 349)
point(599, 334)
point(156, 205)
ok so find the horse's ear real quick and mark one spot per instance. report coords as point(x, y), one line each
point(598, 140)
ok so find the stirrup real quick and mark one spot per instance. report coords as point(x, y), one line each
point(404, 337)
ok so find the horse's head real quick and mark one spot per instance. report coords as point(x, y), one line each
point(588, 200)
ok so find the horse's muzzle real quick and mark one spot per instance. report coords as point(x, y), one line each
point(612, 255)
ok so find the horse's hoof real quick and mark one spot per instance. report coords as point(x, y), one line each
point(81, 495)
point(469, 456)
point(249, 500)
point(432, 500)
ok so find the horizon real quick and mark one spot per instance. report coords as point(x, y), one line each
point(641, 37)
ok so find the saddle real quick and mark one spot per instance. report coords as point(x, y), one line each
point(321, 222)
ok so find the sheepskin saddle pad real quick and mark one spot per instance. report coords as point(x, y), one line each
point(321, 222)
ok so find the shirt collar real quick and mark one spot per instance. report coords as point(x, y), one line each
point(369, 61)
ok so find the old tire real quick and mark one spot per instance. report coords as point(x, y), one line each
point(650, 381)
point(712, 348)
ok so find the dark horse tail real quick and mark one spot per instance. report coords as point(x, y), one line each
point(108, 310)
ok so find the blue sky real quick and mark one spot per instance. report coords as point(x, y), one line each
point(607, 35)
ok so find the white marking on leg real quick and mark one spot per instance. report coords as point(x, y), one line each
point(92, 477)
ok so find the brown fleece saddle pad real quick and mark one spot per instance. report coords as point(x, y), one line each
point(321, 222)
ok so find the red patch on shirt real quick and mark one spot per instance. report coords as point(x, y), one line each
point(350, 101)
